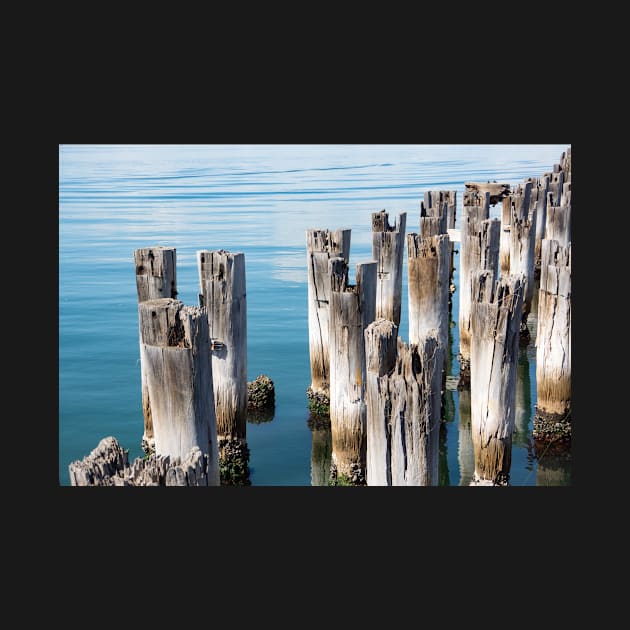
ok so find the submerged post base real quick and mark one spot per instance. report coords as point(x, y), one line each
point(464, 372)
point(234, 462)
point(318, 402)
point(354, 476)
point(552, 428)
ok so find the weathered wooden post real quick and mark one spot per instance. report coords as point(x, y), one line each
point(381, 342)
point(479, 249)
point(223, 294)
point(496, 315)
point(175, 355)
point(155, 278)
point(321, 246)
point(496, 192)
point(428, 261)
point(108, 465)
point(522, 242)
point(437, 198)
point(505, 241)
point(403, 407)
point(538, 201)
point(352, 308)
point(558, 224)
point(552, 421)
point(556, 185)
point(465, 452)
point(433, 219)
point(388, 245)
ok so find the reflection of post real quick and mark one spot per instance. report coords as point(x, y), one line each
point(443, 473)
point(465, 453)
point(496, 317)
point(321, 245)
point(552, 422)
point(523, 401)
point(554, 470)
point(388, 244)
point(155, 278)
point(175, 352)
point(223, 293)
point(351, 310)
point(321, 450)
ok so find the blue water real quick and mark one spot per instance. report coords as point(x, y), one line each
point(256, 199)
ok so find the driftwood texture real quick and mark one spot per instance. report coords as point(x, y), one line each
point(388, 246)
point(223, 294)
point(428, 261)
point(175, 353)
point(479, 249)
point(553, 343)
point(433, 219)
point(522, 242)
point(108, 465)
point(321, 246)
point(538, 202)
point(496, 317)
point(156, 278)
point(436, 199)
point(496, 192)
point(403, 407)
point(352, 308)
point(558, 224)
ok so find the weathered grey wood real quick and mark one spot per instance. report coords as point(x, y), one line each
point(565, 200)
point(403, 407)
point(428, 261)
point(496, 316)
point(479, 249)
point(108, 465)
point(538, 201)
point(223, 293)
point(465, 450)
point(175, 353)
point(352, 308)
point(321, 245)
point(381, 342)
point(496, 192)
point(505, 240)
point(388, 246)
point(156, 275)
point(156, 278)
point(522, 243)
point(558, 224)
point(433, 199)
point(556, 184)
point(553, 345)
point(433, 219)
point(430, 227)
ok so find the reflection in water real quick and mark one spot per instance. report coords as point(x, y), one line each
point(321, 452)
point(554, 470)
point(258, 416)
point(443, 475)
point(522, 403)
point(466, 453)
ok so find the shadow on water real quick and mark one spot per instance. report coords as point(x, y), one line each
point(321, 450)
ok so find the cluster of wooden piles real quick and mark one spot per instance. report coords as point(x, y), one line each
point(383, 396)
point(193, 372)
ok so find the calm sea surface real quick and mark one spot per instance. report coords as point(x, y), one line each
point(256, 199)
